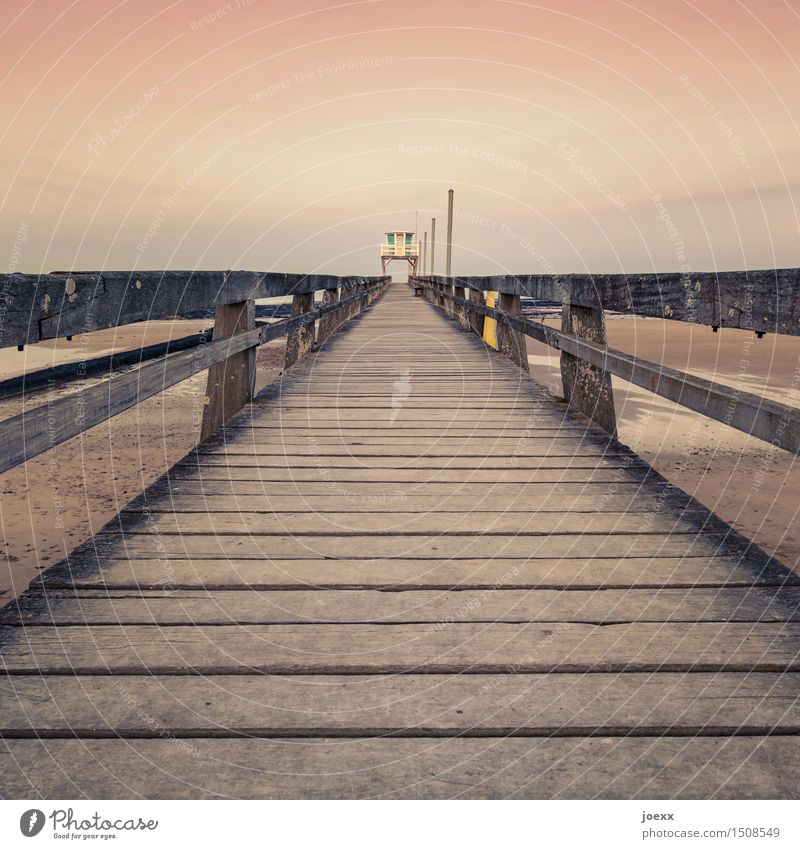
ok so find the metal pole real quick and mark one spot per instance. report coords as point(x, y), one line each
point(425, 253)
point(433, 246)
point(449, 256)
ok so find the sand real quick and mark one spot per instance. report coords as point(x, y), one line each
point(56, 501)
point(747, 482)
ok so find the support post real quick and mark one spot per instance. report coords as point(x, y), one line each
point(433, 246)
point(299, 342)
point(461, 315)
point(509, 341)
point(231, 383)
point(449, 254)
point(328, 323)
point(587, 388)
point(476, 319)
point(425, 253)
point(449, 306)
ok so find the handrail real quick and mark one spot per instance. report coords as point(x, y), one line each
point(773, 422)
point(30, 433)
point(48, 306)
point(764, 301)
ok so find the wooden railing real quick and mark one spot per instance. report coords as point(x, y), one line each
point(35, 308)
point(760, 301)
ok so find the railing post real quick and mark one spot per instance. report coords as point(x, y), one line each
point(299, 342)
point(460, 311)
point(449, 306)
point(509, 341)
point(328, 323)
point(231, 383)
point(476, 319)
point(587, 388)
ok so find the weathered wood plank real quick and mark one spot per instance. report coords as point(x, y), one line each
point(383, 649)
point(231, 382)
point(392, 545)
point(282, 498)
point(473, 522)
point(588, 768)
point(325, 475)
point(81, 571)
point(497, 604)
point(640, 704)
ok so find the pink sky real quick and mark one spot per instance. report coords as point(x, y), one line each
point(289, 135)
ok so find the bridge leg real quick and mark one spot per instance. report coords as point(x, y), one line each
point(587, 388)
point(460, 312)
point(231, 383)
point(328, 323)
point(476, 319)
point(509, 341)
point(449, 306)
point(300, 342)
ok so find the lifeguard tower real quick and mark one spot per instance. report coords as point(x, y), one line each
point(400, 244)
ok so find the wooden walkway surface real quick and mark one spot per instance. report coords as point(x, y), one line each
point(406, 572)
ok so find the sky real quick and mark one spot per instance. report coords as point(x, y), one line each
point(577, 135)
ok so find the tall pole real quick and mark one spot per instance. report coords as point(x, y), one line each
point(449, 255)
point(433, 246)
point(425, 253)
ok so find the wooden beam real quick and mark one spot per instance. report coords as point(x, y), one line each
point(587, 387)
point(510, 341)
point(329, 323)
point(300, 341)
point(231, 382)
point(36, 307)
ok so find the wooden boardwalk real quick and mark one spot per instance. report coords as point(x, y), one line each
point(406, 572)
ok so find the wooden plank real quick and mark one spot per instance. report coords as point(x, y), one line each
point(375, 460)
point(587, 768)
point(393, 545)
point(387, 649)
point(459, 474)
point(377, 498)
point(393, 455)
point(634, 704)
point(231, 382)
point(498, 604)
point(476, 521)
point(269, 573)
